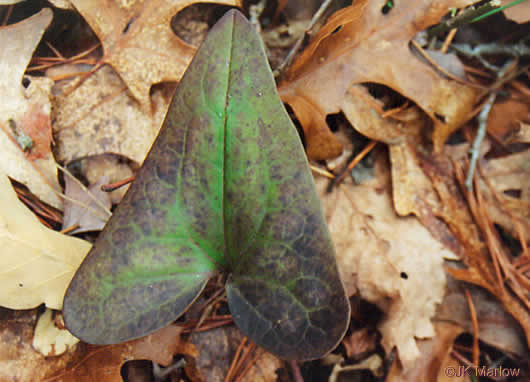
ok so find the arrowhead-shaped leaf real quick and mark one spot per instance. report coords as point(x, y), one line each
point(225, 187)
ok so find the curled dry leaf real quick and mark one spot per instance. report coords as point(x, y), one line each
point(506, 188)
point(86, 208)
point(392, 261)
point(25, 127)
point(361, 44)
point(138, 41)
point(37, 263)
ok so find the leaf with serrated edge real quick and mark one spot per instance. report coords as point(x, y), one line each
point(226, 186)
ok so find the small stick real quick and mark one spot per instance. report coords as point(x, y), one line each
point(481, 133)
point(249, 364)
point(114, 186)
point(474, 322)
point(287, 61)
point(233, 366)
point(355, 161)
point(321, 171)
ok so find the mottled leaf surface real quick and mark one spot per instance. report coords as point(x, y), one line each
point(226, 187)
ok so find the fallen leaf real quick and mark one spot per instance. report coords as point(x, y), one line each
point(25, 111)
point(504, 119)
point(392, 261)
point(496, 326)
point(115, 167)
point(509, 181)
point(48, 339)
point(523, 135)
point(19, 361)
point(37, 263)
point(138, 41)
point(87, 208)
point(435, 360)
point(361, 44)
point(264, 369)
point(362, 341)
point(101, 117)
point(216, 349)
point(520, 13)
point(468, 222)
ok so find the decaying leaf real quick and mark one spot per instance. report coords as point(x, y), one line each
point(506, 188)
point(496, 327)
point(138, 41)
point(88, 209)
point(392, 261)
point(435, 362)
point(216, 349)
point(472, 229)
point(19, 361)
point(100, 117)
point(25, 127)
point(505, 129)
point(213, 195)
point(36, 263)
point(48, 339)
point(361, 44)
point(113, 166)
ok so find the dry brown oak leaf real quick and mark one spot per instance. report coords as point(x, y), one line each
point(361, 44)
point(19, 361)
point(138, 41)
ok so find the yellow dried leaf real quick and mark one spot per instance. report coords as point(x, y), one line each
point(37, 263)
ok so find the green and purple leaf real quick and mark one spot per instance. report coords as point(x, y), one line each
point(225, 188)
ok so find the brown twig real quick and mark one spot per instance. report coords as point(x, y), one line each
point(70, 229)
point(109, 187)
point(292, 53)
point(359, 157)
point(243, 352)
point(322, 172)
point(258, 353)
point(209, 323)
point(474, 322)
point(48, 62)
point(448, 40)
point(442, 70)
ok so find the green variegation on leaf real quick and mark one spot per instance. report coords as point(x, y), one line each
point(225, 188)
